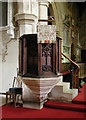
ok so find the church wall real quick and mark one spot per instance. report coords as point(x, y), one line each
point(67, 12)
point(9, 67)
point(83, 30)
point(8, 52)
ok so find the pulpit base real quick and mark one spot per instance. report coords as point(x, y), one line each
point(36, 90)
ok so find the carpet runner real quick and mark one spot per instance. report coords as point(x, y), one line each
point(9, 112)
point(79, 103)
point(81, 98)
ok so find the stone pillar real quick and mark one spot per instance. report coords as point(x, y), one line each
point(26, 20)
point(10, 19)
point(43, 12)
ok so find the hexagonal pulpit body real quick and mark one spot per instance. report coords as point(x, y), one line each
point(37, 59)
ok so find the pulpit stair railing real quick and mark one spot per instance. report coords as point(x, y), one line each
point(75, 72)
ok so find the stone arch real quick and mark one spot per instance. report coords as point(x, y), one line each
point(58, 17)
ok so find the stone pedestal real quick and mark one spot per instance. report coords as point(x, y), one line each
point(35, 90)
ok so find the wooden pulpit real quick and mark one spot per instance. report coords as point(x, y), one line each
point(38, 59)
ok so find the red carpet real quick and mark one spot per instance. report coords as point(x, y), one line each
point(20, 113)
point(66, 72)
point(81, 98)
point(66, 106)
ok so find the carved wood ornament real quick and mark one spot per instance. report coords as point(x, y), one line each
point(47, 57)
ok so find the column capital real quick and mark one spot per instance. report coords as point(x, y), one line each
point(26, 23)
point(25, 16)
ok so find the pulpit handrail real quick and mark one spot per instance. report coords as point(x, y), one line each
point(71, 61)
point(75, 73)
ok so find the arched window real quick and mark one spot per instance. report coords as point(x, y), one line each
point(3, 13)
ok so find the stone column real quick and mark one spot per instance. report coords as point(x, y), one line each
point(10, 19)
point(26, 20)
point(43, 12)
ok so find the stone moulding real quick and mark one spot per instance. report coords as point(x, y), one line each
point(25, 16)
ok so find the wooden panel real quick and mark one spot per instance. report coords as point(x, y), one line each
point(39, 59)
point(24, 57)
point(47, 55)
point(60, 60)
point(75, 79)
point(54, 58)
point(57, 63)
point(28, 55)
point(20, 57)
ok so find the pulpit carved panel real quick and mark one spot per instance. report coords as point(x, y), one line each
point(47, 57)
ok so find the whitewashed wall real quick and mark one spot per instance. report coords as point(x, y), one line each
point(9, 67)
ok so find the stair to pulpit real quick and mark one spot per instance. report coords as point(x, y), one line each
point(62, 92)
